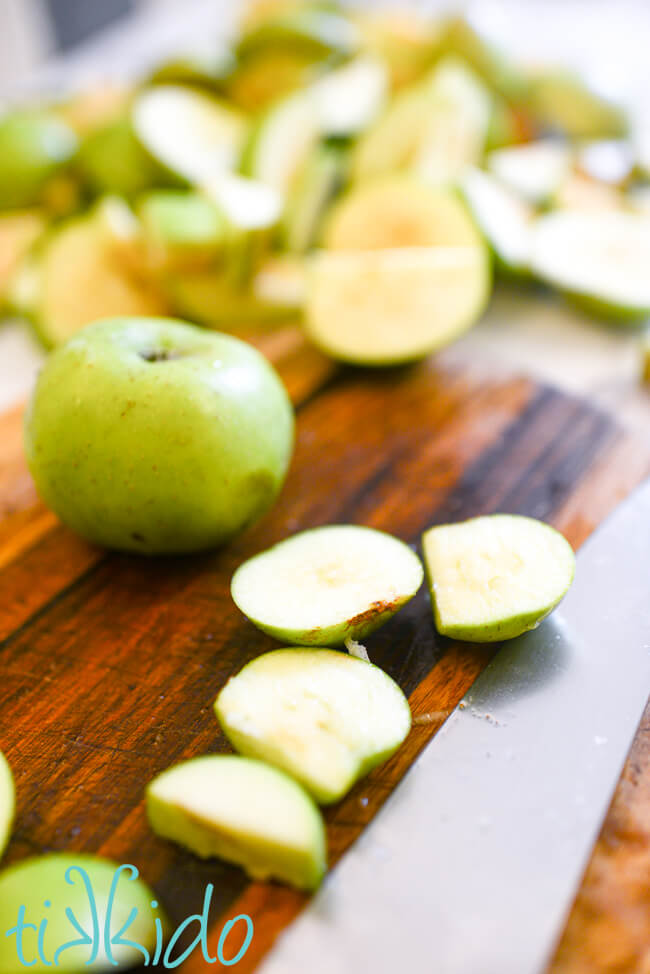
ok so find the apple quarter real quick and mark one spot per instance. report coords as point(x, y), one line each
point(494, 577)
point(322, 716)
point(243, 811)
point(327, 585)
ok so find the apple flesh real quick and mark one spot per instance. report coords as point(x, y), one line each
point(322, 716)
point(151, 435)
point(32, 883)
point(494, 577)
point(7, 802)
point(328, 585)
point(243, 811)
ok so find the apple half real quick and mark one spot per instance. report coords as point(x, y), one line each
point(494, 577)
point(322, 716)
point(61, 882)
point(388, 307)
point(243, 811)
point(7, 802)
point(328, 585)
point(599, 258)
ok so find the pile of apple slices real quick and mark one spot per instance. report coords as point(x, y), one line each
point(310, 722)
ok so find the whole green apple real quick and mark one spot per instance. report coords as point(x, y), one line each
point(152, 435)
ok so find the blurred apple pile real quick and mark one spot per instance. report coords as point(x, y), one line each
point(362, 170)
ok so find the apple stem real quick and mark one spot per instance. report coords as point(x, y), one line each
point(356, 649)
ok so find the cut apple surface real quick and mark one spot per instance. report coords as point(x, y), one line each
point(321, 587)
point(323, 716)
point(7, 801)
point(398, 211)
point(281, 141)
point(386, 307)
point(244, 811)
point(494, 577)
point(190, 134)
point(504, 218)
point(535, 170)
point(600, 258)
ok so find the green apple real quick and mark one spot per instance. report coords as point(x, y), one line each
point(494, 577)
point(244, 811)
point(64, 894)
point(7, 802)
point(151, 435)
point(598, 258)
point(328, 585)
point(33, 147)
point(322, 716)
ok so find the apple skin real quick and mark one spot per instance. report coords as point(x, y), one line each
point(154, 436)
point(7, 802)
point(34, 881)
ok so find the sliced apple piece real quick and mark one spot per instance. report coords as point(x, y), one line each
point(18, 231)
point(322, 716)
point(600, 258)
point(281, 141)
point(244, 811)
point(534, 171)
point(7, 802)
point(457, 124)
point(398, 211)
point(494, 577)
point(120, 900)
point(349, 98)
point(74, 279)
point(190, 134)
point(327, 585)
point(504, 218)
point(181, 229)
point(386, 307)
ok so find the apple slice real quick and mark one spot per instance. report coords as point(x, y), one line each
point(18, 232)
point(324, 717)
point(74, 279)
point(600, 258)
point(190, 134)
point(61, 881)
point(386, 307)
point(7, 802)
point(494, 577)
point(243, 811)
point(504, 218)
point(533, 171)
point(328, 585)
point(348, 98)
point(181, 229)
point(281, 141)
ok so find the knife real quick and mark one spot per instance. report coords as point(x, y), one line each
point(472, 864)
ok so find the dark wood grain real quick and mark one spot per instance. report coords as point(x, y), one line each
point(110, 664)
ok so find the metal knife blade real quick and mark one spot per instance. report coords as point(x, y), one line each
point(472, 864)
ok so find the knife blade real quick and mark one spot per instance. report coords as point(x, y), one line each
point(473, 862)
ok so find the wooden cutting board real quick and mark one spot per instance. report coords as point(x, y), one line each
point(110, 664)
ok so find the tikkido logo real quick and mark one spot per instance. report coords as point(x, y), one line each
point(97, 934)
